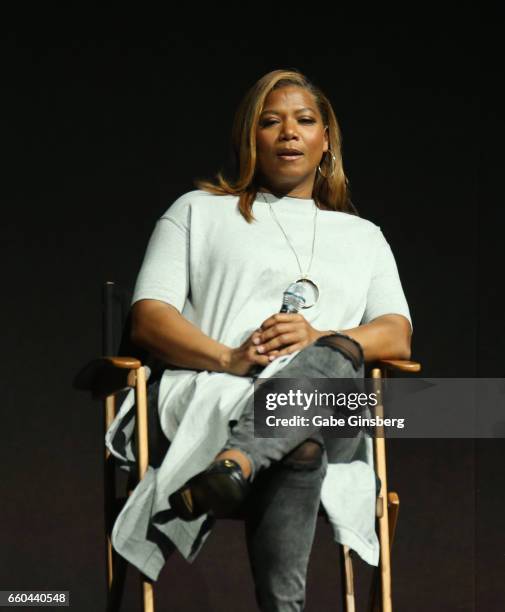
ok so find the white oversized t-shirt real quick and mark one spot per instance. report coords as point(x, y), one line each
point(227, 276)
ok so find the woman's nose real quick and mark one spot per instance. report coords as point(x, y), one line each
point(288, 130)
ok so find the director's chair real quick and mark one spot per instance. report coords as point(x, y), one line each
point(108, 376)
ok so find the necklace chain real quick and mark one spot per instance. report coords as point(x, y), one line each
point(304, 275)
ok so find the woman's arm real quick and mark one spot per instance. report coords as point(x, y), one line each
point(162, 330)
point(386, 337)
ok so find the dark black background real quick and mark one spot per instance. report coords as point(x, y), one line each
point(102, 128)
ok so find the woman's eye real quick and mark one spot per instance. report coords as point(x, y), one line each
point(268, 122)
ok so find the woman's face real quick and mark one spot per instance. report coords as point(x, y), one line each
point(290, 120)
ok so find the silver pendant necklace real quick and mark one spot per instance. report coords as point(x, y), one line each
point(304, 286)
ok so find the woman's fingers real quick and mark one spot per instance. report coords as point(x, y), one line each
point(256, 337)
point(281, 317)
point(283, 334)
point(244, 358)
point(253, 356)
point(275, 330)
point(290, 349)
point(273, 354)
point(279, 341)
point(255, 351)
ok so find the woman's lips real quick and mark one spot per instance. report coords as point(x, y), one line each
point(290, 157)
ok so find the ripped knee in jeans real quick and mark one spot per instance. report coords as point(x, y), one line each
point(306, 456)
point(347, 346)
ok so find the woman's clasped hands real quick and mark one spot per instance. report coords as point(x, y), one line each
point(281, 334)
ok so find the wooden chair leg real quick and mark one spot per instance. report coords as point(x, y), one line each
point(147, 593)
point(394, 508)
point(380, 463)
point(110, 561)
point(385, 557)
point(116, 589)
point(114, 564)
point(141, 424)
point(347, 579)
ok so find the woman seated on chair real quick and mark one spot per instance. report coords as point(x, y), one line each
point(207, 303)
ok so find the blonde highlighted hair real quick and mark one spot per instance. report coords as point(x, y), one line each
point(331, 190)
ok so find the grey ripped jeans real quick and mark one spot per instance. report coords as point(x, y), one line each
point(281, 511)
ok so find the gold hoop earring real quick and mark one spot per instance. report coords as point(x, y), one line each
point(333, 165)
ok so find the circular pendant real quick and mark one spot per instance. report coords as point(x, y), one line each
point(309, 290)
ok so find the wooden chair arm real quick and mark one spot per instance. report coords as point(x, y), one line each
point(125, 363)
point(106, 376)
point(400, 365)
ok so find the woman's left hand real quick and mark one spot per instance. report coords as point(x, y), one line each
point(283, 333)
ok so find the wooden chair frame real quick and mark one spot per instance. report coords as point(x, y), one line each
point(107, 376)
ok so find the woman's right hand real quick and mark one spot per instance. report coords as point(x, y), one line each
point(241, 360)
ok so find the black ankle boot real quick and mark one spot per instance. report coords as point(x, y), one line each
point(220, 490)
